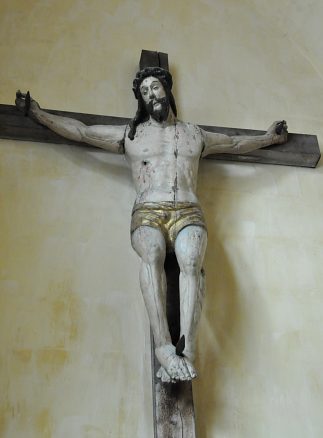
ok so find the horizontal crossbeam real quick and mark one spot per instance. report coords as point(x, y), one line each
point(300, 150)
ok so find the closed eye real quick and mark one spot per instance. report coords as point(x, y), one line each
point(144, 90)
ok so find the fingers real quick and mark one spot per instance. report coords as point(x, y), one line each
point(27, 103)
point(24, 102)
point(283, 123)
point(281, 127)
point(20, 95)
point(278, 127)
point(191, 369)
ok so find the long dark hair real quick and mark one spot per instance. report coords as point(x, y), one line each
point(142, 115)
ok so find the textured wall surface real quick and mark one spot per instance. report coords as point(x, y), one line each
point(74, 336)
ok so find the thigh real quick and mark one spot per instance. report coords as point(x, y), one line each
point(190, 246)
point(149, 244)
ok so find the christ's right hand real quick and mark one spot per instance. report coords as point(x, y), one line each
point(26, 104)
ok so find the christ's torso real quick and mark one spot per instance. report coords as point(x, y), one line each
point(164, 159)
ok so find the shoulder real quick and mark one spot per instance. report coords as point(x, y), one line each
point(192, 130)
point(190, 127)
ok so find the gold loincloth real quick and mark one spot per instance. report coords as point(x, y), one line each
point(167, 217)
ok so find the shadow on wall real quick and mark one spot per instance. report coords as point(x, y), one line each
point(223, 332)
point(220, 329)
point(96, 160)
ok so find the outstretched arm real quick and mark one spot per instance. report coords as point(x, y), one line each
point(103, 136)
point(223, 144)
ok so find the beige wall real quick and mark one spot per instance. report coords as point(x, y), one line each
point(74, 337)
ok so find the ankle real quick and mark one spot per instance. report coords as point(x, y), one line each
point(189, 354)
point(164, 351)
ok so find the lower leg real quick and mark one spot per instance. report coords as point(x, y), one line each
point(192, 291)
point(153, 287)
point(150, 246)
point(190, 247)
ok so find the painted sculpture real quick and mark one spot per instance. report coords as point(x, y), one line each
point(164, 154)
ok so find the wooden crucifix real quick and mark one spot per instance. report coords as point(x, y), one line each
point(168, 228)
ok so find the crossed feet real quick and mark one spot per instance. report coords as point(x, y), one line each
point(173, 368)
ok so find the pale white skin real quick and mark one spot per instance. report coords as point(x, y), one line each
point(164, 159)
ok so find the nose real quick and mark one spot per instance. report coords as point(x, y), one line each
point(151, 94)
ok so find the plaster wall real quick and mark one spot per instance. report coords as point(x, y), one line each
point(74, 336)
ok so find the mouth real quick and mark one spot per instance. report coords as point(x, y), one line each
point(158, 109)
point(157, 106)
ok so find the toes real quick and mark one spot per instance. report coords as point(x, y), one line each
point(185, 374)
point(159, 373)
point(164, 376)
point(191, 369)
point(178, 369)
point(174, 368)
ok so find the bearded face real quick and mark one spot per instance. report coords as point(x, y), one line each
point(155, 98)
point(158, 109)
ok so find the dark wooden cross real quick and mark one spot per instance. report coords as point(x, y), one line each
point(300, 150)
point(173, 403)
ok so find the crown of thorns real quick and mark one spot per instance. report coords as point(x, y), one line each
point(163, 75)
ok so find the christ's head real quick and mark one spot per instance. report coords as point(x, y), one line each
point(152, 88)
point(155, 99)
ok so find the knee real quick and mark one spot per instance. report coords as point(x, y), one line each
point(191, 266)
point(153, 255)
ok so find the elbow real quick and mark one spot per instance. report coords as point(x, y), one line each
point(120, 147)
point(235, 148)
point(79, 134)
point(242, 147)
point(75, 133)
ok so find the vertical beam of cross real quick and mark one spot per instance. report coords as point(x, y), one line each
point(173, 403)
point(149, 58)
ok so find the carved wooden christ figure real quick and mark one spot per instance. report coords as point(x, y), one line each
point(164, 154)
